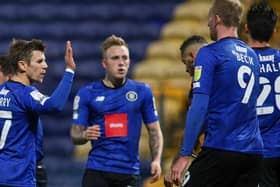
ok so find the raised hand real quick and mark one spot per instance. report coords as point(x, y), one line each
point(69, 59)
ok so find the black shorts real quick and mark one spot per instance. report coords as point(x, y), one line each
point(219, 168)
point(41, 174)
point(94, 178)
point(271, 173)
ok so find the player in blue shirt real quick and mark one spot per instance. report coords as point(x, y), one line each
point(188, 51)
point(261, 23)
point(225, 88)
point(41, 173)
point(109, 113)
point(21, 105)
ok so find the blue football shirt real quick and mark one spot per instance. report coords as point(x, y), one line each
point(39, 141)
point(119, 112)
point(18, 125)
point(228, 72)
point(268, 102)
point(20, 107)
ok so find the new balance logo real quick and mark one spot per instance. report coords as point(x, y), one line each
point(100, 98)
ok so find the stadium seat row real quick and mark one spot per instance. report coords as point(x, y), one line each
point(138, 12)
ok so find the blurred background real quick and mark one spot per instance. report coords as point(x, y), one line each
point(154, 31)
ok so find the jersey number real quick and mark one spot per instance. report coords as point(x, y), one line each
point(7, 125)
point(243, 70)
point(266, 89)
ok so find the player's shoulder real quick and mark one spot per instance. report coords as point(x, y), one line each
point(19, 88)
point(277, 54)
point(21, 92)
point(206, 51)
point(90, 86)
point(275, 51)
point(137, 84)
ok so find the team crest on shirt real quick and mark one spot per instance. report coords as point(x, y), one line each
point(197, 72)
point(131, 96)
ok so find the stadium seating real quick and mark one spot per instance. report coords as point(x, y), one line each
point(86, 23)
point(154, 29)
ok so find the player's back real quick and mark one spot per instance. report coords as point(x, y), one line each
point(268, 103)
point(229, 74)
point(17, 144)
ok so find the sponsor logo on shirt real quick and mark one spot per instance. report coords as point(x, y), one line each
point(266, 58)
point(241, 49)
point(116, 125)
point(131, 96)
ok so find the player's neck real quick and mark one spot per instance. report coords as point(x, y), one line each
point(256, 44)
point(113, 83)
point(21, 79)
point(224, 32)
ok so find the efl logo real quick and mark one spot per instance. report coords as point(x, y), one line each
point(197, 72)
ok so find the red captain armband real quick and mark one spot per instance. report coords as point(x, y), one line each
point(116, 125)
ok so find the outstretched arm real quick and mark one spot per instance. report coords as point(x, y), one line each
point(156, 146)
point(59, 97)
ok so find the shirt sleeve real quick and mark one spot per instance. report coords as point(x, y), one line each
point(194, 122)
point(204, 71)
point(39, 102)
point(80, 108)
point(149, 110)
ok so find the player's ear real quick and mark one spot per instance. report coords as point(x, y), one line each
point(218, 19)
point(246, 28)
point(104, 63)
point(193, 54)
point(22, 66)
point(273, 33)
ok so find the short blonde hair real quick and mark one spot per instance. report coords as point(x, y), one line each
point(230, 11)
point(110, 41)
